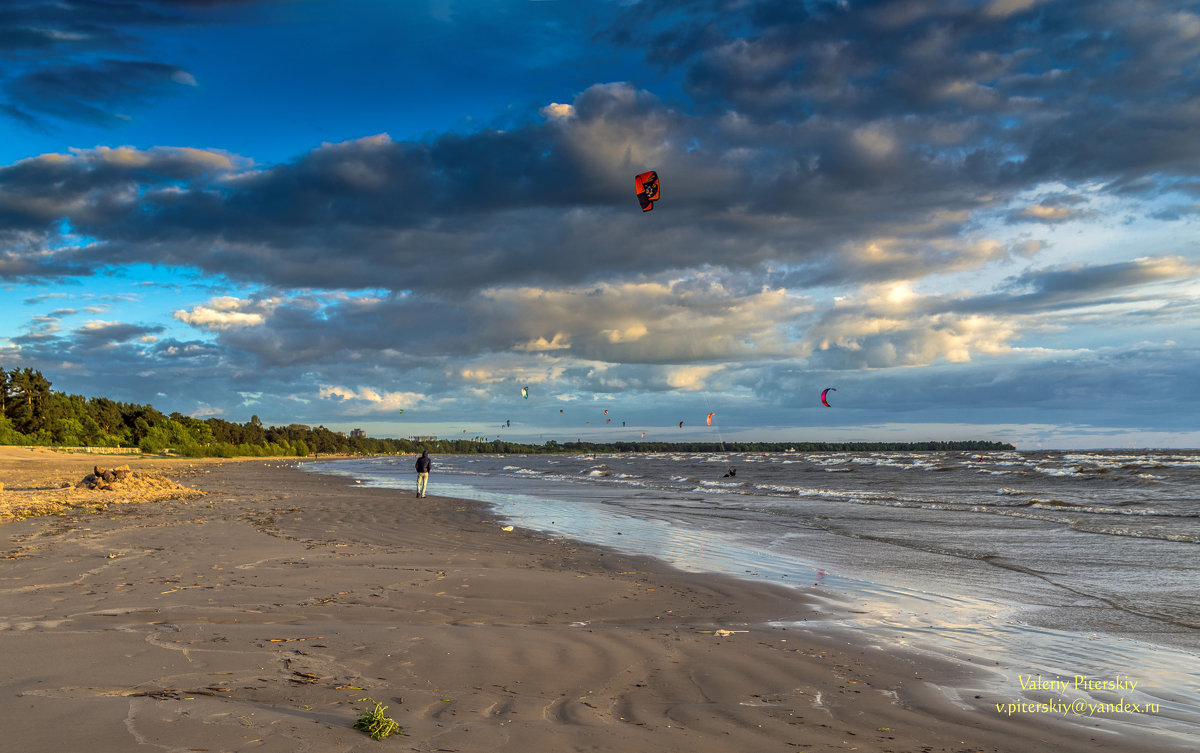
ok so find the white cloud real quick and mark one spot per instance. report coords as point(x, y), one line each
point(367, 400)
point(690, 378)
point(213, 318)
point(554, 110)
point(1048, 213)
point(1006, 8)
point(680, 320)
point(232, 313)
point(560, 341)
point(891, 325)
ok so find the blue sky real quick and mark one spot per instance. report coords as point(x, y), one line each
point(974, 219)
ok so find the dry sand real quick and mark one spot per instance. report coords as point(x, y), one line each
point(254, 618)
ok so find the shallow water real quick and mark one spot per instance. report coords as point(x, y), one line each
point(1051, 564)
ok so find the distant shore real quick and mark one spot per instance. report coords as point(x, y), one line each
point(256, 613)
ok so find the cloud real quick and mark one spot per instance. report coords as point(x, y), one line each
point(96, 333)
point(668, 321)
point(502, 204)
point(85, 62)
point(101, 92)
point(367, 401)
point(891, 326)
point(1006, 8)
point(1049, 213)
point(1081, 282)
point(690, 378)
point(891, 128)
point(906, 196)
point(95, 189)
point(554, 110)
point(1066, 103)
point(224, 312)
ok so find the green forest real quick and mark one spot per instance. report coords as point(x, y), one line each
point(33, 414)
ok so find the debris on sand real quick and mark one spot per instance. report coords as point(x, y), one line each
point(97, 490)
point(125, 480)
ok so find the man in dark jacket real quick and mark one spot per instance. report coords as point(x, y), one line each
point(423, 466)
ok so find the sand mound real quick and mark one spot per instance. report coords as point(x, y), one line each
point(125, 480)
point(97, 490)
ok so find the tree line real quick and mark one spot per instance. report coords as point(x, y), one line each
point(33, 414)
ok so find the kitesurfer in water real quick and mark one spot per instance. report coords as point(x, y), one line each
point(424, 463)
point(732, 472)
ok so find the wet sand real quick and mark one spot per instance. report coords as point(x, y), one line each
point(254, 617)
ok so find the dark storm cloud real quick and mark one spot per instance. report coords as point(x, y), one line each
point(102, 334)
point(82, 60)
point(20, 264)
point(1047, 289)
point(97, 92)
point(84, 23)
point(23, 118)
point(91, 188)
point(829, 126)
point(16, 38)
point(830, 145)
point(1103, 277)
point(499, 206)
point(1051, 89)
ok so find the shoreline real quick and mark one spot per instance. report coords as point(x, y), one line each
point(255, 617)
point(999, 651)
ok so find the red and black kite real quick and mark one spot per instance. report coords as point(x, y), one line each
point(647, 189)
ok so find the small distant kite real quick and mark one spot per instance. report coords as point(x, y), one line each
point(824, 393)
point(643, 435)
point(608, 420)
point(680, 424)
point(647, 189)
point(606, 411)
point(709, 418)
point(400, 411)
point(525, 392)
point(560, 411)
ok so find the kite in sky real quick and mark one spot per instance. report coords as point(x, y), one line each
point(824, 393)
point(647, 189)
point(709, 419)
point(525, 392)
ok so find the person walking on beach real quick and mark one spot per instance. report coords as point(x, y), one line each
point(423, 466)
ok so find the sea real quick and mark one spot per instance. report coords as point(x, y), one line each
point(1068, 576)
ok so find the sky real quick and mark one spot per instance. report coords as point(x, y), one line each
point(973, 219)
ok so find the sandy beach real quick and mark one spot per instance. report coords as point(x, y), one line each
point(254, 609)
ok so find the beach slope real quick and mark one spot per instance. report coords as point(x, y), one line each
point(257, 614)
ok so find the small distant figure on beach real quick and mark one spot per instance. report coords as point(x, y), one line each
point(731, 474)
point(424, 463)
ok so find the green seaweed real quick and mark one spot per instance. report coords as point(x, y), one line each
point(375, 723)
